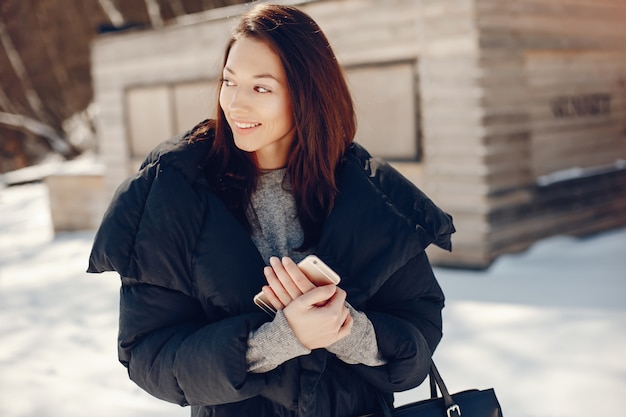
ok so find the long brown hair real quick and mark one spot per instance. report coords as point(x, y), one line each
point(322, 110)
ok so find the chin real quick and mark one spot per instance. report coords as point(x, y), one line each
point(245, 148)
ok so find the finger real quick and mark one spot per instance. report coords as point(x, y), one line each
point(338, 298)
point(318, 295)
point(276, 285)
point(285, 278)
point(298, 277)
point(272, 298)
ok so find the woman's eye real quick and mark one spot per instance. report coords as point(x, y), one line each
point(260, 89)
point(226, 82)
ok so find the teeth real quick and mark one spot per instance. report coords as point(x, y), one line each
point(246, 125)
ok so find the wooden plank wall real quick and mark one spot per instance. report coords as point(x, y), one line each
point(543, 60)
point(577, 104)
point(452, 124)
point(492, 73)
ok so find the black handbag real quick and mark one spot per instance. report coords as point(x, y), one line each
point(470, 403)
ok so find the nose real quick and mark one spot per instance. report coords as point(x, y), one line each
point(237, 99)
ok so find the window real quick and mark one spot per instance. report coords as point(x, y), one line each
point(385, 102)
point(156, 113)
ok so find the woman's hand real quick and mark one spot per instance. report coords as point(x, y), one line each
point(286, 282)
point(317, 315)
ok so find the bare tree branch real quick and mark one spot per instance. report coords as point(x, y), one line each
point(38, 128)
point(5, 103)
point(20, 70)
point(112, 13)
point(154, 11)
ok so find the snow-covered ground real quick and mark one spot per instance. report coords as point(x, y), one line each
point(546, 328)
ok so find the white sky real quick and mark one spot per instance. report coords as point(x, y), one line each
point(545, 328)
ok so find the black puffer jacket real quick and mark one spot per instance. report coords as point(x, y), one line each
point(190, 272)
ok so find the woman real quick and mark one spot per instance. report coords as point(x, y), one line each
point(229, 208)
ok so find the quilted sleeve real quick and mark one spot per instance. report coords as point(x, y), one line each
point(406, 314)
point(143, 234)
point(175, 353)
point(114, 240)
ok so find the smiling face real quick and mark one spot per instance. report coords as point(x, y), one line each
point(255, 100)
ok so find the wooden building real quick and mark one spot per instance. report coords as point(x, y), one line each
point(510, 114)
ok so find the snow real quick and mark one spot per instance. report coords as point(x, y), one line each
point(85, 164)
point(545, 328)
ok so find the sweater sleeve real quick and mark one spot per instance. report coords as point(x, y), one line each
point(272, 344)
point(360, 346)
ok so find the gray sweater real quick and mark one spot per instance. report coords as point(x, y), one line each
point(276, 231)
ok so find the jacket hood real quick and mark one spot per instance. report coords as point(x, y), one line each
point(379, 222)
point(408, 201)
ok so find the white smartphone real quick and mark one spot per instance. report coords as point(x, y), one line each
point(316, 271)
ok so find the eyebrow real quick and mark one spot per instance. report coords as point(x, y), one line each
point(263, 75)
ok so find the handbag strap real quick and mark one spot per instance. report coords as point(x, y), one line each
point(452, 409)
point(451, 406)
